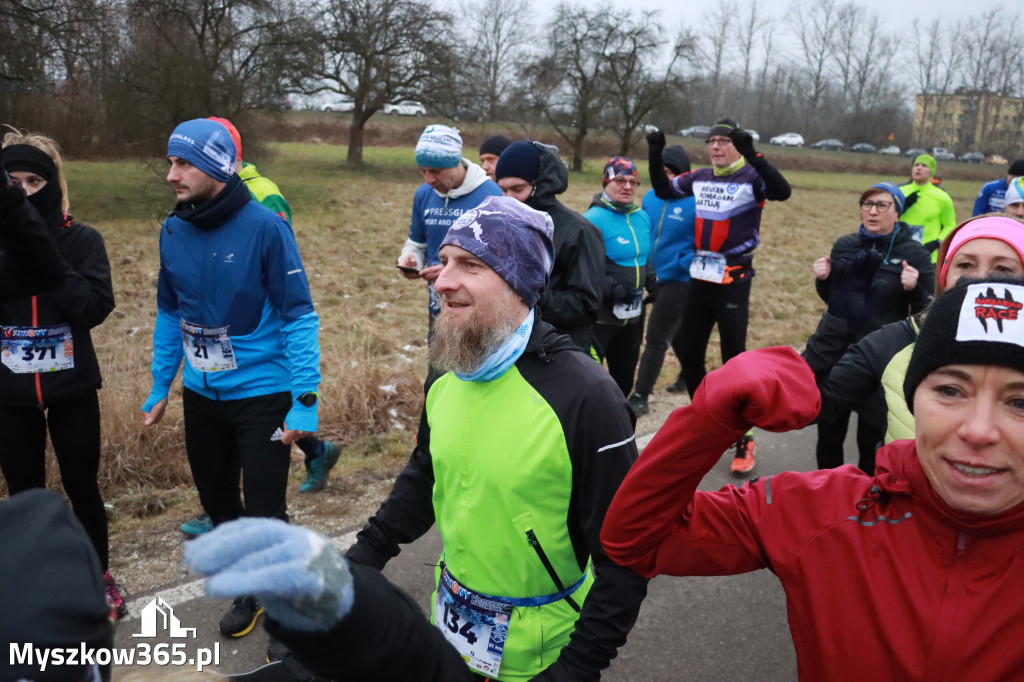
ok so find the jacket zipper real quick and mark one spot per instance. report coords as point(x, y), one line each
point(35, 323)
point(531, 537)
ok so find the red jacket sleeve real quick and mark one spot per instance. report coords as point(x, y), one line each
point(658, 522)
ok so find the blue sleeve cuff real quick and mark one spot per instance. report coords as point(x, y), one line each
point(156, 394)
point(301, 418)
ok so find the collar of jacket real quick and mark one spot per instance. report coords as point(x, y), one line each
point(603, 201)
point(219, 209)
point(898, 471)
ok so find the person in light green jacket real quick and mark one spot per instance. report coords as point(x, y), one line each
point(929, 210)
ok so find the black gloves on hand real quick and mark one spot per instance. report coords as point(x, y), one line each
point(851, 285)
point(651, 285)
point(615, 291)
point(744, 143)
point(656, 141)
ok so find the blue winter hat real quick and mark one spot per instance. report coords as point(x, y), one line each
point(520, 160)
point(207, 145)
point(513, 239)
point(897, 194)
point(439, 146)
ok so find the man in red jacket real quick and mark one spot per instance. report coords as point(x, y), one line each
point(916, 573)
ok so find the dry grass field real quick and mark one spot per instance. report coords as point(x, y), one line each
point(350, 225)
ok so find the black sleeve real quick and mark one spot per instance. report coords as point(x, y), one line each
point(384, 637)
point(580, 291)
point(776, 187)
point(659, 179)
point(87, 296)
point(827, 344)
point(856, 376)
point(603, 449)
point(29, 259)
point(823, 287)
point(406, 515)
point(921, 295)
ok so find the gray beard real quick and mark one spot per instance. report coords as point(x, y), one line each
point(463, 346)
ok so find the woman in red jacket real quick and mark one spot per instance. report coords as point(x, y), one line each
point(49, 375)
point(915, 573)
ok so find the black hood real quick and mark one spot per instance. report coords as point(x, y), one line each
point(552, 178)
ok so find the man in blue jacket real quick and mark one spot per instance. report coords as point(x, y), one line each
point(992, 195)
point(234, 300)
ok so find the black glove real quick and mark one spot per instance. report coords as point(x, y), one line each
point(851, 284)
point(744, 143)
point(656, 140)
point(615, 291)
point(651, 285)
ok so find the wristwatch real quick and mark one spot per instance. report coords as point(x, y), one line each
point(308, 399)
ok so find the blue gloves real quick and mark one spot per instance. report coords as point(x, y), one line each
point(301, 578)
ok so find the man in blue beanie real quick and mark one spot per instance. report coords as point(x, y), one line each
point(522, 444)
point(533, 173)
point(232, 299)
point(451, 185)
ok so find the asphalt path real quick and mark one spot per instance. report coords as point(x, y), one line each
point(706, 628)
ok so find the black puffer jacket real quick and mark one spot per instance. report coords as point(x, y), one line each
point(83, 301)
point(573, 296)
point(890, 303)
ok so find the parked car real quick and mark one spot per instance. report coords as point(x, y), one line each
point(788, 140)
point(831, 144)
point(914, 152)
point(891, 150)
point(406, 108)
point(996, 160)
point(276, 102)
point(972, 157)
point(469, 114)
point(865, 148)
point(343, 105)
point(942, 154)
point(696, 131)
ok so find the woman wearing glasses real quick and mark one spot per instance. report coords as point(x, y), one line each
point(902, 286)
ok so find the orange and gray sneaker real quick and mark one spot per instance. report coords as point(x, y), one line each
point(118, 609)
point(743, 461)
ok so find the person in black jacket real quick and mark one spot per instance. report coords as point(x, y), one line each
point(50, 375)
point(901, 286)
point(533, 173)
point(29, 258)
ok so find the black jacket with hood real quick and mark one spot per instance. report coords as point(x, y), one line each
point(573, 296)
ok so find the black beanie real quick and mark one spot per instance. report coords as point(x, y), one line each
point(52, 581)
point(520, 160)
point(675, 158)
point(1016, 168)
point(977, 322)
point(495, 144)
point(723, 127)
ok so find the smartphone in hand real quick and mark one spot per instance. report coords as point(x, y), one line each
point(408, 269)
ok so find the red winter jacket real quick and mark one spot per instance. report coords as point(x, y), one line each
point(883, 580)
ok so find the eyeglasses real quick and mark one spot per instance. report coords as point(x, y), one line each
point(629, 182)
point(720, 141)
point(882, 206)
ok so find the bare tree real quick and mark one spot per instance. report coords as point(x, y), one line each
point(937, 53)
point(500, 33)
point(815, 31)
point(718, 40)
point(566, 83)
point(379, 51)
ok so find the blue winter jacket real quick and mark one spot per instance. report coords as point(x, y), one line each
point(990, 198)
point(672, 236)
point(242, 272)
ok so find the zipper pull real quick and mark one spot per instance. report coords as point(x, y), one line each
point(961, 541)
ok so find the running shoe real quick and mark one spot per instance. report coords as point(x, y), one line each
point(118, 609)
point(743, 461)
point(678, 387)
point(320, 468)
point(638, 402)
point(197, 526)
point(241, 619)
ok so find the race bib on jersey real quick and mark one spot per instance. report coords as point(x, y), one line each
point(630, 309)
point(208, 349)
point(708, 266)
point(476, 625)
point(28, 350)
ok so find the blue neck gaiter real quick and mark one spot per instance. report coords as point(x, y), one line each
point(500, 360)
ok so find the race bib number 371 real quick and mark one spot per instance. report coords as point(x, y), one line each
point(27, 350)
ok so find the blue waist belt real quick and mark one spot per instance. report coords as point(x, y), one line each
point(459, 590)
